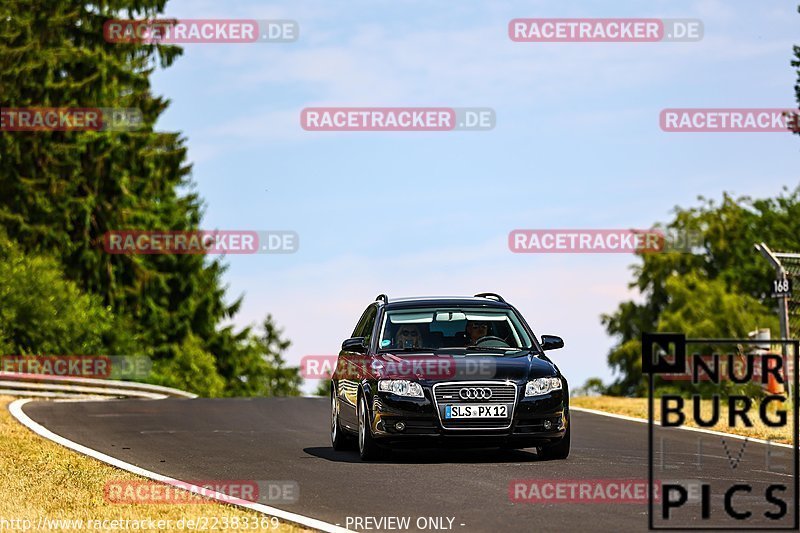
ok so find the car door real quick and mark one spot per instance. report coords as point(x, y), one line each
point(351, 366)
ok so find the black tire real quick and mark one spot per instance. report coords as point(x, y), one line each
point(339, 439)
point(559, 450)
point(367, 448)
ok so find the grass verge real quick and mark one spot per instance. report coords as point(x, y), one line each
point(47, 486)
point(637, 408)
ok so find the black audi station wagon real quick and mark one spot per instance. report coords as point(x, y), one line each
point(424, 372)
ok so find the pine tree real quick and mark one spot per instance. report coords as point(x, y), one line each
point(60, 192)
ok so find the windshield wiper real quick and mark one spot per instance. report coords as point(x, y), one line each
point(490, 348)
point(502, 351)
point(393, 350)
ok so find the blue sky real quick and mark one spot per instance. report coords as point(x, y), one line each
point(577, 145)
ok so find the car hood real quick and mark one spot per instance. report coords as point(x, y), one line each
point(429, 366)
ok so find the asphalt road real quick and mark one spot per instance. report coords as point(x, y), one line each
point(287, 439)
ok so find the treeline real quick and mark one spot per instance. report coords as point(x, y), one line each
point(722, 291)
point(60, 192)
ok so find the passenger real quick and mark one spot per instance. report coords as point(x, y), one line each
point(408, 336)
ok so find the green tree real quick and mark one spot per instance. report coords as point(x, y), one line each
point(796, 65)
point(280, 380)
point(720, 292)
point(60, 192)
point(705, 308)
point(41, 312)
point(323, 388)
point(192, 369)
point(592, 387)
point(258, 367)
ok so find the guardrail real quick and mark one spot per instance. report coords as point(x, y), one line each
point(48, 386)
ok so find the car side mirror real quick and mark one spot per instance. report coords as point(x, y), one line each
point(551, 342)
point(355, 344)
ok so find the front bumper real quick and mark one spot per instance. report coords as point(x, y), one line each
point(422, 422)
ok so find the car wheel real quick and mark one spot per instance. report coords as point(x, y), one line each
point(560, 450)
point(367, 448)
point(338, 438)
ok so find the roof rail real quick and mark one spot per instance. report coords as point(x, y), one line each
point(382, 297)
point(491, 295)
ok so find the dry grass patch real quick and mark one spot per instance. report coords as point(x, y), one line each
point(41, 479)
point(637, 408)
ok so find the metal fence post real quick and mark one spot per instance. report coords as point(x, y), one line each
point(783, 308)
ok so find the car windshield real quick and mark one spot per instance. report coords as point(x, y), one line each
point(461, 328)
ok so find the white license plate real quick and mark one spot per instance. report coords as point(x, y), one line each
point(476, 411)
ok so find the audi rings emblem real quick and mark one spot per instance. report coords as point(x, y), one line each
point(475, 393)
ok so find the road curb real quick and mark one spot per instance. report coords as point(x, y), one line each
point(15, 408)
point(686, 428)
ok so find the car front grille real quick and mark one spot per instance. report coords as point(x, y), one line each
point(500, 393)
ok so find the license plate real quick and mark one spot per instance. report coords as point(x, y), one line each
point(476, 411)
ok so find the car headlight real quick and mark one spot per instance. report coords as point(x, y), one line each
point(401, 387)
point(540, 386)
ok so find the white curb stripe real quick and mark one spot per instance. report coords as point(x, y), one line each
point(76, 380)
point(687, 428)
point(21, 388)
point(16, 411)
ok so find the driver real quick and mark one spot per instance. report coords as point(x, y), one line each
point(475, 330)
point(408, 336)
